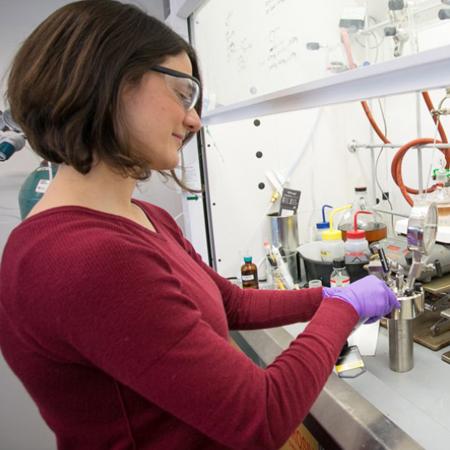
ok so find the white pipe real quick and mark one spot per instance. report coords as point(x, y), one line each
point(419, 149)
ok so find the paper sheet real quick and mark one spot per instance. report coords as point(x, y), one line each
point(365, 337)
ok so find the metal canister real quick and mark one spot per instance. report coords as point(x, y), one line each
point(284, 231)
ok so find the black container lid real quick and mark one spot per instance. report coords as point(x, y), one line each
point(338, 263)
point(360, 189)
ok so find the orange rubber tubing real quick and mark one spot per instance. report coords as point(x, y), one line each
point(396, 167)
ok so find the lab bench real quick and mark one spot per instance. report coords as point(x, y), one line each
point(379, 409)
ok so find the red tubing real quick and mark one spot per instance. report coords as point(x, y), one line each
point(396, 167)
point(375, 127)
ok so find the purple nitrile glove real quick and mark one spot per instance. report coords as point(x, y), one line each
point(370, 297)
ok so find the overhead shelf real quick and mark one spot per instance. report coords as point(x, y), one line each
point(184, 8)
point(426, 70)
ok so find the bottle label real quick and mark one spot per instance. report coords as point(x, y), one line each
point(356, 258)
point(248, 277)
point(42, 186)
point(339, 281)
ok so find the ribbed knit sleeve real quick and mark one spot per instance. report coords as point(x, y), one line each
point(96, 310)
point(149, 335)
point(249, 309)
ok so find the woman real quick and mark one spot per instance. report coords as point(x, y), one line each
point(113, 323)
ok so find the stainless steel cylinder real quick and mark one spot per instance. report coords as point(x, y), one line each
point(284, 231)
point(401, 357)
point(292, 259)
point(410, 307)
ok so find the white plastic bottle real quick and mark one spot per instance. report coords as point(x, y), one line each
point(319, 229)
point(332, 246)
point(356, 246)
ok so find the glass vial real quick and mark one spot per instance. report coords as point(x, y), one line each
point(249, 274)
point(339, 277)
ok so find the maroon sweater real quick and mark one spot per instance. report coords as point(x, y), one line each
point(120, 335)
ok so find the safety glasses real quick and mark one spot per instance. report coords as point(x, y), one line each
point(185, 87)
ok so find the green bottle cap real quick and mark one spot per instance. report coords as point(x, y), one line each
point(247, 259)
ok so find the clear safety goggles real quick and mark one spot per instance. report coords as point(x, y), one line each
point(185, 87)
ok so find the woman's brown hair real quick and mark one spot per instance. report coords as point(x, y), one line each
point(66, 79)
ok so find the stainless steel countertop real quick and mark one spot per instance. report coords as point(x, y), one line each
point(380, 409)
point(418, 401)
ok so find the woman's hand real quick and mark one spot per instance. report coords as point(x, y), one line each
point(370, 297)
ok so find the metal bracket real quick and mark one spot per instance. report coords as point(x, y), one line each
point(441, 304)
point(352, 147)
point(440, 327)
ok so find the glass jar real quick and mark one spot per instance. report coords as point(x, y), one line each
point(373, 225)
point(339, 277)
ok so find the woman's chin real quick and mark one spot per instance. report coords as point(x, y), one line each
point(166, 165)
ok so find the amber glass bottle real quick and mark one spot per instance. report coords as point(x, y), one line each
point(249, 274)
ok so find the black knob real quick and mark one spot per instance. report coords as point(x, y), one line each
point(396, 5)
point(438, 267)
point(312, 46)
point(383, 259)
point(408, 259)
point(390, 31)
point(444, 14)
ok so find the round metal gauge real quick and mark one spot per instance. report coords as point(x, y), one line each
point(422, 227)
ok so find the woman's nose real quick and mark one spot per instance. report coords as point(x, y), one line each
point(192, 121)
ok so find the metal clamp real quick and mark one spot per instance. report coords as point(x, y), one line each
point(443, 324)
point(440, 111)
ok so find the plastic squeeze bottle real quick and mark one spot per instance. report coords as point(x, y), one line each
point(356, 246)
point(332, 245)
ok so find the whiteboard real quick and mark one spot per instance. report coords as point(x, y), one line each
point(257, 46)
point(254, 47)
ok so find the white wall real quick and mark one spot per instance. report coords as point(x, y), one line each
point(326, 174)
point(236, 54)
point(21, 427)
